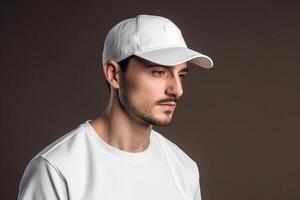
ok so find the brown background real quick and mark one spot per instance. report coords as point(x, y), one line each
point(238, 121)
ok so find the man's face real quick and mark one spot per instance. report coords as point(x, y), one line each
point(149, 92)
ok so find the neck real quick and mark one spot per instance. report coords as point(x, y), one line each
point(121, 130)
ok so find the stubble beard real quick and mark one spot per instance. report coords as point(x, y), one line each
point(143, 116)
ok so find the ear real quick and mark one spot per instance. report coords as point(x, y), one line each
point(111, 71)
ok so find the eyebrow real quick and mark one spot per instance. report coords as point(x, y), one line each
point(149, 64)
point(185, 69)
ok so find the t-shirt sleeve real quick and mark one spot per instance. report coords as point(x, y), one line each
point(41, 180)
point(198, 193)
point(198, 190)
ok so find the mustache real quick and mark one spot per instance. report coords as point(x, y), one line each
point(168, 100)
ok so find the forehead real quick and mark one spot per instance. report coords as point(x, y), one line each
point(146, 63)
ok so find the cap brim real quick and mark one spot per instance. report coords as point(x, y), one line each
point(176, 55)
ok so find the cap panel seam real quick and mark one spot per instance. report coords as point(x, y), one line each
point(141, 47)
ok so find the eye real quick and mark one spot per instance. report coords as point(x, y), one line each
point(182, 76)
point(158, 73)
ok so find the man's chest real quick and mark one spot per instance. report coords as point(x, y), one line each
point(145, 181)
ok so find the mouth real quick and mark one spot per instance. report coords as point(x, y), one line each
point(169, 106)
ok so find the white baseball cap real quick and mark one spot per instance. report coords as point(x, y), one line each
point(153, 38)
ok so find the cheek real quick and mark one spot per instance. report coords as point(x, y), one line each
point(146, 91)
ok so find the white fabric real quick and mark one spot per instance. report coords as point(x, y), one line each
point(82, 166)
point(153, 38)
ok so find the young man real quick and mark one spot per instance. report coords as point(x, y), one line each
point(118, 155)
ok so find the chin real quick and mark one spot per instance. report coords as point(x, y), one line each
point(156, 119)
point(161, 121)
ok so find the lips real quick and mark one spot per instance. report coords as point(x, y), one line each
point(168, 105)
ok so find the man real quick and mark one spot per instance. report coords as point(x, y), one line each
point(118, 155)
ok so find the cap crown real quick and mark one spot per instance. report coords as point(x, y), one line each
point(141, 34)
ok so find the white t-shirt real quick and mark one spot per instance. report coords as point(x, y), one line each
point(82, 166)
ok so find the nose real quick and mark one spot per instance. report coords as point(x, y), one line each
point(174, 87)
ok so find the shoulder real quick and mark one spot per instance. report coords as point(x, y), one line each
point(176, 154)
point(42, 180)
point(183, 168)
point(65, 148)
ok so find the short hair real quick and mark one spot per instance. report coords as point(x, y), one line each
point(123, 65)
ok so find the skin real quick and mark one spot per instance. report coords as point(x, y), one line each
point(145, 95)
